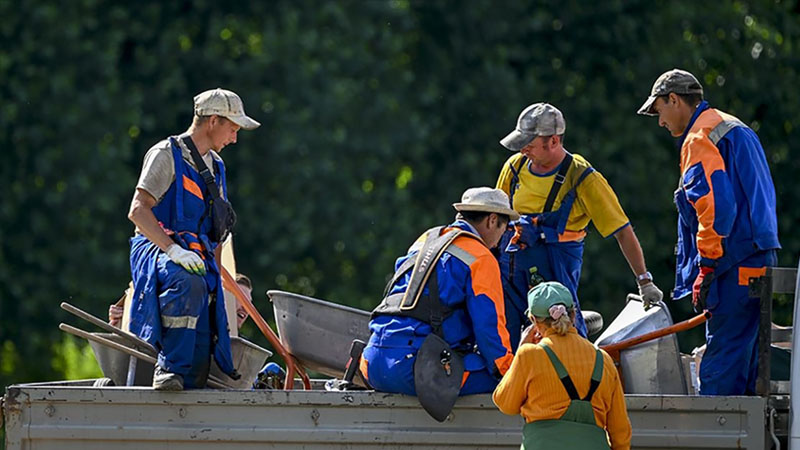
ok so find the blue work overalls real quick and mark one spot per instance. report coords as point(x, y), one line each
point(533, 242)
point(170, 306)
point(745, 217)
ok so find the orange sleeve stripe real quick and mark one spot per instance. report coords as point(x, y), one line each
point(699, 149)
point(485, 275)
point(503, 363)
point(745, 273)
point(363, 366)
point(192, 187)
point(464, 378)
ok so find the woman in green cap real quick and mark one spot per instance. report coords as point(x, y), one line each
point(567, 390)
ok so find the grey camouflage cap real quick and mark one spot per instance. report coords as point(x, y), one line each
point(221, 102)
point(675, 80)
point(538, 119)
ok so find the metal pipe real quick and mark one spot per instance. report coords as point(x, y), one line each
point(212, 381)
point(794, 406)
point(127, 335)
point(680, 326)
point(292, 365)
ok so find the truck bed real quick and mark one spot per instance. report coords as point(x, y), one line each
point(75, 415)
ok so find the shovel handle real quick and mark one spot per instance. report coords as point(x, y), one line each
point(293, 367)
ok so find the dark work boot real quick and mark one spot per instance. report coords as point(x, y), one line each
point(166, 381)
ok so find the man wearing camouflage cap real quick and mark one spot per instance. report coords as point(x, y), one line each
point(727, 226)
point(557, 193)
point(182, 215)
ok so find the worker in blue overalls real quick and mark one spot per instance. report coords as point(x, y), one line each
point(182, 215)
point(446, 285)
point(727, 226)
point(557, 193)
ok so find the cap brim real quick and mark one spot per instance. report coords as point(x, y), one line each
point(647, 107)
point(513, 215)
point(245, 122)
point(516, 140)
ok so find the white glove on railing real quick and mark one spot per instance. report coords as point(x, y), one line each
point(190, 261)
point(651, 295)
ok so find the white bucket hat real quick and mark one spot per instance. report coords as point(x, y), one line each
point(486, 199)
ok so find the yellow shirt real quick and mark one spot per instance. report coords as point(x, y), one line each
point(532, 388)
point(596, 202)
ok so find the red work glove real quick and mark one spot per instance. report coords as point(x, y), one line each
point(701, 286)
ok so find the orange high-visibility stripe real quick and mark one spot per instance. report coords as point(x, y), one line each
point(698, 148)
point(485, 275)
point(363, 366)
point(745, 273)
point(570, 236)
point(192, 187)
point(464, 378)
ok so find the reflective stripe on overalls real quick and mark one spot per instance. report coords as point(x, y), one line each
point(534, 248)
point(577, 428)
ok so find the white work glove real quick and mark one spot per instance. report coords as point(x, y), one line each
point(651, 295)
point(190, 261)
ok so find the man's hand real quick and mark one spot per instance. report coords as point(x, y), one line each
point(115, 315)
point(190, 261)
point(651, 294)
point(700, 288)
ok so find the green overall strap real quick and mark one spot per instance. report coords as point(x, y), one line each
point(577, 427)
point(597, 374)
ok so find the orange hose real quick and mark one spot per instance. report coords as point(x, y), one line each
point(293, 367)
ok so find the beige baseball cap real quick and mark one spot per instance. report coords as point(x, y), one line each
point(675, 80)
point(538, 119)
point(223, 103)
point(486, 199)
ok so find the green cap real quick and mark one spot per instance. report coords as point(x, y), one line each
point(544, 295)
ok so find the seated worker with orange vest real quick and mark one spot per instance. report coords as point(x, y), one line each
point(567, 390)
point(557, 193)
point(440, 330)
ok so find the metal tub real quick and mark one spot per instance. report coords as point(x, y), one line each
point(316, 332)
point(248, 358)
point(114, 363)
point(652, 367)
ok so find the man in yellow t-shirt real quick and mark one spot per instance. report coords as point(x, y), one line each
point(557, 193)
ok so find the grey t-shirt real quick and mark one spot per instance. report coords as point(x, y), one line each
point(158, 171)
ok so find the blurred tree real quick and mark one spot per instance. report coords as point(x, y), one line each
point(376, 116)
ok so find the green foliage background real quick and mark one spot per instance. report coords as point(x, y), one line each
point(376, 116)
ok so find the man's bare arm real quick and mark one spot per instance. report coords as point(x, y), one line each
point(141, 214)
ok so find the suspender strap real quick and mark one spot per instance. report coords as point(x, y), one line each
point(558, 182)
point(597, 374)
point(426, 260)
point(512, 188)
point(202, 168)
point(453, 249)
